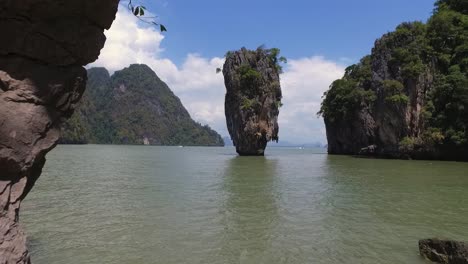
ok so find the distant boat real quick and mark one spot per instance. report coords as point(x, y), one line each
point(181, 146)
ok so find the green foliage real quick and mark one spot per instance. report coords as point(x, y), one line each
point(132, 105)
point(426, 112)
point(433, 136)
point(397, 99)
point(273, 55)
point(393, 86)
point(278, 104)
point(348, 94)
point(456, 5)
point(283, 59)
point(247, 103)
point(249, 79)
point(361, 72)
point(407, 145)
point(248, 74)
point(448, 35)
point(394, 91)
point(343, 98)
point(75, 131)
point(428, 140)
point(139, 12)
point(410, 49)
point(436, 52)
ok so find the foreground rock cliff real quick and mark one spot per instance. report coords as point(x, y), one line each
point(253, 98)
point(409, 98)
point(133, 106)
point(41, 81)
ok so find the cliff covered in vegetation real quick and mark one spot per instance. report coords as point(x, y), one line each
point(253, 98)
point(409, 98)
point(133, 106)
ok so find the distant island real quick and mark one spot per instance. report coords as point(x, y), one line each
point(409, 98)
point(133, 106)
point(282, 143)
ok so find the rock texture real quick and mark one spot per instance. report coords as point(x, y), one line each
point(253, 99)
point(379, 127)
point(381, 106)
point(41, 81)
point(444, 251)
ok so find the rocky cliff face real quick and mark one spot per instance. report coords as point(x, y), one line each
point(378, 125)
point(253, 98)
point(408, 99)
point(41, 81)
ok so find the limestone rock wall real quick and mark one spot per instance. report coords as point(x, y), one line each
point(41, 80)
point(377, 129)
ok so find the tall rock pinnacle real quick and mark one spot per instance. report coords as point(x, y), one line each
point(253, 98)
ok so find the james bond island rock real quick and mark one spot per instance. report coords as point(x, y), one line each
point(409, 98)
point(41, 81)
point(253, 98)
point(444, 251)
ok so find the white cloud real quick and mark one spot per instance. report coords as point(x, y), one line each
point(202, 90)
point(127, 42)
point(303, 83)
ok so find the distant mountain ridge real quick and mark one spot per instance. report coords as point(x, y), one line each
point(133, 106)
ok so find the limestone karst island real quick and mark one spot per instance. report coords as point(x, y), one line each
point(250, 132)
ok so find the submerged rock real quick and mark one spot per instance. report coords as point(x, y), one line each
point(444, 251)
point(41, 81)
point(253, 98)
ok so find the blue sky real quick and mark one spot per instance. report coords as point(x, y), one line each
point(332, 28)
point(319, 38)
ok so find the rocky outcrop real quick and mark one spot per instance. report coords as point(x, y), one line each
point(377, 128)
point(253, 98)
point(41, 80)
point(384, 105)
point(444, 251)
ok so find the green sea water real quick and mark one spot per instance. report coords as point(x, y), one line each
point(137, 204)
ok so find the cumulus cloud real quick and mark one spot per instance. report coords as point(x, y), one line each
point(303, 83)
point(202, 91)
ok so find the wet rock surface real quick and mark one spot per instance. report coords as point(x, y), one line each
point(253, 99)
point(41, 81)
point(444, 251)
